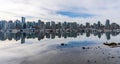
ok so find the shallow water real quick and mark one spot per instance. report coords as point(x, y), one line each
point(79, 49)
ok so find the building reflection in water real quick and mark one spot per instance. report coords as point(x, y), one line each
point(52, 35)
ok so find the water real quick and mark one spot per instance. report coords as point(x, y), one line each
point(41, 48)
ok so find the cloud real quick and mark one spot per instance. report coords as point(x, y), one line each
point(61, 10)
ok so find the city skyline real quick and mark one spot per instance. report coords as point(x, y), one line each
point(80, 11)
point(52, 26)
point(24, 20)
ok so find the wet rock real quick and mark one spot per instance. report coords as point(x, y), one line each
point(110, 44)
point(98, 46)
point(95, 61)
point(88, 60)
point(112, 57)
point(95, 47)
point(62, 44)
point(119, 57)
point(88, 48)
point(103, 52)
point(118, 43)
point(83, 47)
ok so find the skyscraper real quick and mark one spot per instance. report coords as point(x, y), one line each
point(23, 19)
point(23, 22)
point(107, 23)
point(99, 25)
point(87, 24)
point(48, 25)
point(52, 24)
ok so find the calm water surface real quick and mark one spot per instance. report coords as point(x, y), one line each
point(40, 48)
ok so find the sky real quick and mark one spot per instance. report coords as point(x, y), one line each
point(80, 11)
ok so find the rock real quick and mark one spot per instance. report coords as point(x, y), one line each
point(119, 57)
point(103, 52)
point(88, 60)
point(63, 44)
point(83, 47)
point(118, 43)
point(110, 44)
point(88, 48)
point(98, 46)
point(95, 61)
point(112, 57)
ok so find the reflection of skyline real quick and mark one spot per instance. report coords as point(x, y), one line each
point(52, 35)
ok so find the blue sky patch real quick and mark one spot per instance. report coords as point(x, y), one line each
point(73, 15)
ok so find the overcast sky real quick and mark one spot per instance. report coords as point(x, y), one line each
point(61, 10)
